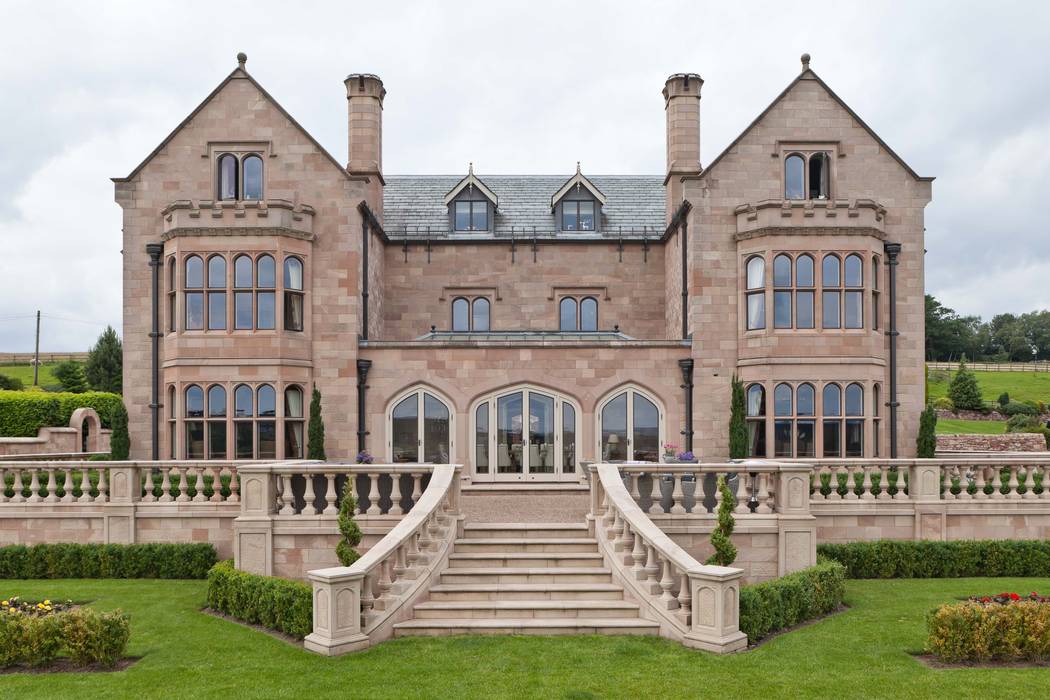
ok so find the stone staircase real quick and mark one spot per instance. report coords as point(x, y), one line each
point(526, 578)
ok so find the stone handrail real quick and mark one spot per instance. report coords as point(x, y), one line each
point(51, 456)
point(356, 606)
point(696, 604)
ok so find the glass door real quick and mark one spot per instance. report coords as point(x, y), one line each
point(524, 435)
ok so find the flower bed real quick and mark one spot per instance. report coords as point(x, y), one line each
point(997, 628)
point(1006, 598)
point(34, 634)
point(41, 608)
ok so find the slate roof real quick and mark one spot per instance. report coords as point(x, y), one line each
point(635, 206)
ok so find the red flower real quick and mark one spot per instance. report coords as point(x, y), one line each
point(1014, 596)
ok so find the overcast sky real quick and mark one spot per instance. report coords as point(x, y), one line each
point(960, 90)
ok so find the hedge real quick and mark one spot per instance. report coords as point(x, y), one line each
point(786, 601)
point(165, 561)
point(275, 603)
point(929, 559)
point(85, 635)
point(971, 631)
point(23, 413)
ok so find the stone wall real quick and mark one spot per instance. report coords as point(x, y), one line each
point(1009, 442)
point(61, 440)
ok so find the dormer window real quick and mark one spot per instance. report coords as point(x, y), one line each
point(807, 176)
point(469, 204)
point(472, 215)
point(578, 204)
point(577, 216)
point(240, 177)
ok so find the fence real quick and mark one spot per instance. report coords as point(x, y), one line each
point(25, 358)
point(994, 366)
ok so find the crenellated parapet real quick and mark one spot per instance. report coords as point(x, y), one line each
point(205, 217)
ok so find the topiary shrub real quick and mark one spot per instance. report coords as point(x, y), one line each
point(926, 443)
point(348, 528)
point(737, 425)
point(315, 429)
point(275, 603)
point(1004, 398)
point(725, 550)
point(786, 601)
point(933, 559)
point(120, 441)
point(944, 403)
point(70, 560)
point(976, 632)
point(964, 391)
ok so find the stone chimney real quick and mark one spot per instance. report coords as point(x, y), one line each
point(682, 104)
point(364, 96)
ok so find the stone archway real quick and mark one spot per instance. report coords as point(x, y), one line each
point(89, 429)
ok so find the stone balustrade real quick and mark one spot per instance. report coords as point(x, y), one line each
point(315, 488)
point(356, 606)
point(691, 489)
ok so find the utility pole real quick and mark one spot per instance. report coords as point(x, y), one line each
point(36, 353)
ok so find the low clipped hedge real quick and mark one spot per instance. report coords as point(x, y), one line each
point(165, 561)
point(783, 602)
point(275, 603)
point(930, 559)
point(975, 632)
point(24, 413)
point(84, 635)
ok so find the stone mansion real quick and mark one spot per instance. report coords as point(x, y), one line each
point(522, 324)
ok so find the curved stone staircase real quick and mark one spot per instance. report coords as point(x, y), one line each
point(526, 578)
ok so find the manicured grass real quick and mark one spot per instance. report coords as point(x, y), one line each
point(25, 373)
point(860, 653)
point(952, 426)
point(1022, 386)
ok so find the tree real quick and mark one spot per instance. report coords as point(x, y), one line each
point(963, 391)
point(71, 375)
point(119, 440)
point(105, 363)
point(315, 432)
point(926, 445)
point(351, 533)
point(737, 426)
point(725, 550)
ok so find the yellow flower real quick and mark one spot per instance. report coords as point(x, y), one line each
point(47, 602)
point(11, 610)
point(4, 602)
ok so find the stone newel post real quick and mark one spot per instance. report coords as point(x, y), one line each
point(797, 525)
point(253, 528)
point(715, 623)
point(924, 489)
point(337, 612)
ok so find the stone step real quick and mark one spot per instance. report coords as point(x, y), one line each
point(494, 591)
point(524, 559)
point(537, 574)
point(540, 626)
point(481, 609)
point(521, 544)
point(524, 530)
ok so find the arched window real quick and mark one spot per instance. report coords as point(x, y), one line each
point(243, 279)
point(782, 292)
point(819, 176)
point(588, 314)
point(193, 283)
point(783, 411)
point(420, 429)
point(266, 430)
point(265, 297)
point(173, 450)
point(481, 439)
point(216, 293)
point(853, 309)
point(794, 177)
point(253, 177)
point(567, 320)
point(480, 315)
point(804, 280)
point(216, 422)
point(756, 300)
point(171, 298)
point(243, 429)
point(854, 424)
point(831, 406)
point(293, 422)
point(756, 421)
point(227, 176)
point(630, 425)
point(194, 409)
point(831, 280)
point(460, 315)
point(293, 294)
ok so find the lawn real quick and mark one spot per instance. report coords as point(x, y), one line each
point(953, 426)
point(863, 652)
point(1022, 386)
point(25, 373)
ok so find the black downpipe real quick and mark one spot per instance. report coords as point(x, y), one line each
point(687, 384)
point(685, 279)
point(364, 278)
point(892, 251)
point(155, 251)
point(362, 384)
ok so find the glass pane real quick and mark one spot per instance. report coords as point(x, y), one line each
point(756, 273)
point(267, 400)
point(293, 273)
point(756, 400)
point(216, 439)
point(804, 271)
point(806, 398)
point(293, 311)
point(293, 440)
point(854, 400)
point(756, 438)
point(875, 311)
point(227, 177)
point(541, 433)
point(171, 313)
point(242, 401)
point(794, 177)
point(804, 309)
point(830, 312)
point(242, 310)
point(481, 439)
point(614, 429)
point(243, 435)
point(509, 434)
point(782, 309)
point(830, 271)
point(194, 272)
point(832, 438)
point(481, 315)
point(586, 216)
point(460, 315)
point(216, 401)
point(756, 311)
point(567, 314)
point(266, 269)
point(818, 176)
point(217, 272)
point(782, 438)
point(435, 430)
point(875, 438)
point(293, 402)
point(568, 216)
point(194, 311)
point(194, 439)
point(832, 400)
point(854, 309)
point(194, 401)
point(589, 314)
point(646, 430)
point(782, 271)
point(806, 439)
point(462, 216)
point(874, 273)
point(253, 176)
point(854, 271)
point(854, 438)
point(405, 429)
point(267, 439)
point(216, 311)
point(242, 272)
point(479, 216)
point(782, 400)
point(568, 438)
point(266, 311)
point(875, 401)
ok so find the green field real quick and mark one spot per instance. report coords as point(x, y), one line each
point(25, 373)
point(1022, 386)
point(952, 426)
point(864, 652)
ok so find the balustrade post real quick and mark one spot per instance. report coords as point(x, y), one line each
point(652, 568)
point(667, 600)
point(67, 486)
point(253, 528)
point(287, 498)
point(165, 485)
point(184, 489)
point(337, 604)
point(655, 495)
point(638, 555)
point(417, 481)
point(198, 485)
point(979, 484)
point(833, 483)
point(34, 485)
point(744, 482)
point(865, 486)
point(103, 486)
point(309, 497)
point(330, 495)
point(714, 620)
point(1029, 481)
point(216, 484)
point(235, 486)
point(796, 525)
point(685, 597)
point(817, 494)
point(1013, 486)
point(52, 486)
point(925, 487)
point(18, 487)
point(677, 495)
point(765, 501)
point(373, 495)
point(395, 495)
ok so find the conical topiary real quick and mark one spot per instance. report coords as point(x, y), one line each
point(348, 528)
point(926, 444)
point(737, 426)
point(725, 550)
point(315, 430)
point(119, 440)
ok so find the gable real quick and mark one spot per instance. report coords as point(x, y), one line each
point(577, 183)
point(471, 184)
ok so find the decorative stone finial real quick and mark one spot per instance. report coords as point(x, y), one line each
point(470, 168)
point(242, 58)
point(805, 61)
point(577, 167)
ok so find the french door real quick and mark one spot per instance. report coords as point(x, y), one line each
point(420, 429)
point(525, 435)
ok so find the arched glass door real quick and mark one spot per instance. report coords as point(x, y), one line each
point(420, 429)
point(629, 425)
point(525, 434)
